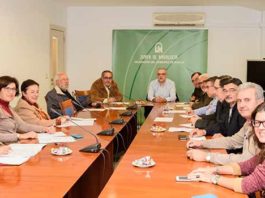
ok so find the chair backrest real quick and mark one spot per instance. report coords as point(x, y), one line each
point(83, 96)
point(67, 107)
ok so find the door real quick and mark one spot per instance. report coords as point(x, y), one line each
point(57, 48)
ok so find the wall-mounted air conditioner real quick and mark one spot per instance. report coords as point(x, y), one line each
point(179, 19)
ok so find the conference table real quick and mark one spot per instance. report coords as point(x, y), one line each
point(169, 154)
point(76, 175)
point(86, 174)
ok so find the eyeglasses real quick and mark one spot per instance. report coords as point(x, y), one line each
point(107, 78)
point(10, 89)
point(230, 90)
point(161, 74)
point(257, 123)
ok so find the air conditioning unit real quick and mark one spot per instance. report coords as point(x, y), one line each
point(179, 19)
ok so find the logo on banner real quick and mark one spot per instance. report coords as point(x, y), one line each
point(158, 48)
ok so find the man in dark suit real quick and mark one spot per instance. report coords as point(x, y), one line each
point(227, 119)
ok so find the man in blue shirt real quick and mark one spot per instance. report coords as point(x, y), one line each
point(162, 89)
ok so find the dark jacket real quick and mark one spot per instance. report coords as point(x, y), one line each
point(203, 101)
point(197, 94)
point(212, 123)
point(54, 98)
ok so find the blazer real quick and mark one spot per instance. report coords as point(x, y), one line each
point(10, 125)
point(31, 114)
point(54, 98)
point(101, 92)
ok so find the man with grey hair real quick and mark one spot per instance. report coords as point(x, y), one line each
point(162, 89)
point(59, 94)
point(249, 96)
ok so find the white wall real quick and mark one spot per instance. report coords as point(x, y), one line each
point(25, 39)
point(234, 36)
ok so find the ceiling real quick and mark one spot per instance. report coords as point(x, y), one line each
point(254, 4)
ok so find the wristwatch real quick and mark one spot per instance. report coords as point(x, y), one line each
point(214, 179)
point(208, 157)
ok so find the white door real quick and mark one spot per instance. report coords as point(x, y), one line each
point(57, 42)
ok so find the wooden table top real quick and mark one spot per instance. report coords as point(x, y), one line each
point(159, 181)
point(46, 175)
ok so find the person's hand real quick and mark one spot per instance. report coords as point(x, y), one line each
point(159, 99)
point(29, 135)
point(4, 149)
point(194, 144)
point(197, 132)
point(194, 119)
point(197, 155)
point(201, 176)
point(208, 169)
point(217, 135)
point(50, 129)
point(110, 100)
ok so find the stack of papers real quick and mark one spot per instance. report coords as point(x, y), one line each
point(117, 108)
point(189, 125)
point(163, 119)
point(174, 111)
point(46, 138)
point(96, 109)
point(179, 129)
point(78, 122)
point(185, 116)
point(20, 153)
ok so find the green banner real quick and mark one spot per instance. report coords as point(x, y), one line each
point(138, 53)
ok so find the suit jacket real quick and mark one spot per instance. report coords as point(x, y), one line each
point(54, 98)
point(203, 101)
point(212, 123)
point(101, 93)
point(9, 125)
point(31, 114)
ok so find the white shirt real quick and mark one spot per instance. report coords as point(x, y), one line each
point(166, 90)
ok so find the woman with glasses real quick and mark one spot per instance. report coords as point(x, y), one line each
point(253, 169)
point(28, 109)
point(10, 122)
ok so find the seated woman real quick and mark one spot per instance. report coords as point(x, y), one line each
point(10, 122)
point(28, 109)
point(253, 169)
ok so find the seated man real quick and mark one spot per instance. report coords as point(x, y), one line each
point(204, 100)
point(105, 89)
point(162, 89)
point(59, 94)
point(249, 96)
point(197, 93)
point(232, 121)
point(211, 92)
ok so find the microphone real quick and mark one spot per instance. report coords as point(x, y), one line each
point(93, 148)
point(106, 132)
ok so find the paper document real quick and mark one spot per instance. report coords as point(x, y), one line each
point(82, 119)
point(46, 138)
point(163, 119)
point(198, 138)
point(96, 109)
point(179, 129)
point(120, 103)
point(117, 108)
point(189, 125)
point(185, 116)
point(174, 111)
point(78, 123)
point(20, 153)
